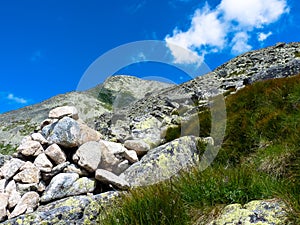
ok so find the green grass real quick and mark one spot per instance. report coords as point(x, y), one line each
point(185, 199)
point(297, 54)
point(110, 98)
point(259, 159)
point(26, 127)
point(106, 97)
point(7, 149)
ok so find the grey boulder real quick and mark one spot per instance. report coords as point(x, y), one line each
point(65, 132)
point(88, 156)
point(163, 162)
point(67, 184)
point(268, 212)
point(60, 112)
point(110, 178)
point(11, 167)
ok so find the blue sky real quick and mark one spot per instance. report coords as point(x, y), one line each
point(46, 46)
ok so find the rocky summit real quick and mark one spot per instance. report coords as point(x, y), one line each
point(76, 154)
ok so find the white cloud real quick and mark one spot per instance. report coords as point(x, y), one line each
point(253, 13)
point(183, 54)
point(263, 36)
point(239, 43)
point(16, 99)
point(206, 29)
point(228, 25)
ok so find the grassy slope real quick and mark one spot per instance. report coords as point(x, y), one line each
point(259, 159)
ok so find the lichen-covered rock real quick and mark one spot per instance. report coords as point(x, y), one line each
point(110, 178)
point(67, 184)
point(264, 212)
point(58, 186)
point(11, 167)
point(88, 156)
point(55, 153)
point(72, 211)
point(66, 132)
point(163, 162)
point(147, 128)
point(83, 185)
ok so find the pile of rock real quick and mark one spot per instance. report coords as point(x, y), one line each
point(64, 158)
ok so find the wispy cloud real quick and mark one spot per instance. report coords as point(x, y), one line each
point(263, 36)
point(228, 25)
point(240, 43)
point(9, 98)
point(16, 99)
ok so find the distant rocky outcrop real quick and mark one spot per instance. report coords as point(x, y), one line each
point(118, 90)
point(174, 107)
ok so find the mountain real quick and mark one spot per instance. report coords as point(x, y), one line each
point(219, 149)
point(17, 124)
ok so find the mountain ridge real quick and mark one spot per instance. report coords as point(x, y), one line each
point(16, 124)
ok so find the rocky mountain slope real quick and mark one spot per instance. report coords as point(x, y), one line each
point(154, 143)
point(17, 124)
point(169, 104)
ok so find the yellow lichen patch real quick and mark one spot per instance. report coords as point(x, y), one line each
point(255, 212)
point(69, 202)
point(19, 221)
point(148, 123)
point(92, 210)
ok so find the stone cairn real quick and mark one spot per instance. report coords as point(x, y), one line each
point(63, 158)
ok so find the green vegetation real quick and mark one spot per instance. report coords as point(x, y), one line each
point(297, 54)
point(7, 149)
point(27, 126)
point(173, 132)
point(192, 196)
point(111, 98)
point(106, 97)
